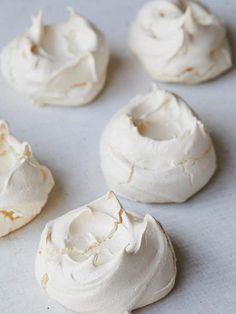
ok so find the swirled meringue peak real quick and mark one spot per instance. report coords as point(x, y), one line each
point(180, 41)
point(156, 151)
point(24, 183)
point(62, 64)
point(103, 259)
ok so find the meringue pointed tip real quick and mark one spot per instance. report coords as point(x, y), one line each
point(38, 16)
point(72, 12)
point(4, 129)
point(155, 87)
point(110, 194)
point(27, 151)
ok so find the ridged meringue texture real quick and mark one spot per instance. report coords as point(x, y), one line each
point(24, 183)
point(156, 151)
point(62, 64)
point(103, 259)
point(180, 41)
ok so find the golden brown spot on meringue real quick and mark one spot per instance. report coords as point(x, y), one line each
point(79, 85)
point(9, 214)
point(131, 173)
point(34, 49)
point(27, 152)
point(151, 34)
point(141, 128)
point(49, 236)
point(43, 174)
point(189, 70)
point(215, 52)
point(140, 125)
point(121, 211)
point(44, 281)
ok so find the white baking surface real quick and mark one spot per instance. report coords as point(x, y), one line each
point(67, 140)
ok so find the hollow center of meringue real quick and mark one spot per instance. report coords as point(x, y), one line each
point(70, 39)
point(98, 236)
point(162, 119)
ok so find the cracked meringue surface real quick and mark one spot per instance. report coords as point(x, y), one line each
point(61, 64)
point(24, 183)
point(180, 41)
point(101, 258)
point(155, 150)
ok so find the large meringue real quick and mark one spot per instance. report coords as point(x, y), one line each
point(102, 259)
point(155, 150)
point(180, 41)
point(24, 183)
point(61, 64)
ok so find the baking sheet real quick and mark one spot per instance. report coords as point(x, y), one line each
point(67, 141)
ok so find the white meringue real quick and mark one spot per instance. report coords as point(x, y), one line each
point(180, 42)
point(102, 259)
point(24, 183)
point(155, 150)
point(61, 64)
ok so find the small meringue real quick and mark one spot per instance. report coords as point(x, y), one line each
point(62, 64)
point(180, 41)
point(24, 183)
point(102, 259)
point(156, 151)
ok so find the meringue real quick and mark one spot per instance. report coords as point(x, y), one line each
point(62, 64)
point(156, 151)
point(24, 183)
point(180, 41)
point(103, 259)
